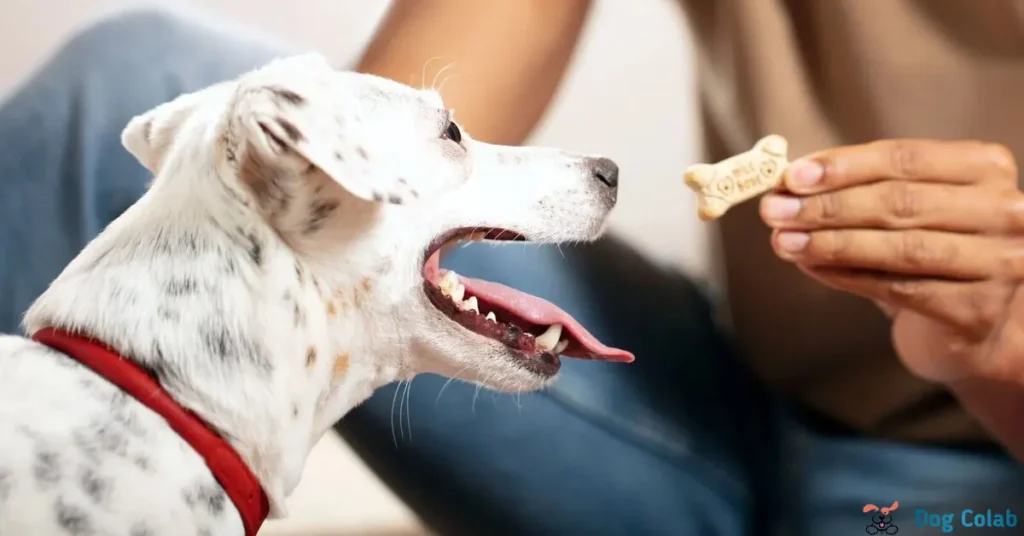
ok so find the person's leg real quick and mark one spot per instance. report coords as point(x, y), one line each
point(835, 477)
point(660, 446)
point(63, 173)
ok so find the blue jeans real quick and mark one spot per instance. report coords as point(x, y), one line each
point(681, 442)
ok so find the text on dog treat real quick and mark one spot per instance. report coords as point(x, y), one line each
point(738, 178)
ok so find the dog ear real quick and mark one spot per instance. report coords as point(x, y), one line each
point(895, 505)
point(149, 136)
point(293, 113)
point(870, 508)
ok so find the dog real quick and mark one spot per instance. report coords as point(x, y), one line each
point(881, 522)
point(281, 266)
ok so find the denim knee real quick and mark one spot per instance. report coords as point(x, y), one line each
point(152, 39)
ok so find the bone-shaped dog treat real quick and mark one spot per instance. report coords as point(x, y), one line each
point(736, 179)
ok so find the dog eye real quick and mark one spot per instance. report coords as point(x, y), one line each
point(452, 133)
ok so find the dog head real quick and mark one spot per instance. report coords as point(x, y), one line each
point(363, 180)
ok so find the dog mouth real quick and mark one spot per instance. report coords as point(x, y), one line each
point(538, 331)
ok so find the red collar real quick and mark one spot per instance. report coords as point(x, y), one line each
point(226, 465)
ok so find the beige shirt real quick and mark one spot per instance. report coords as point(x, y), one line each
point(835, 72)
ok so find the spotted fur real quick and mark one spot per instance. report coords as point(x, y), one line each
point(270, 280)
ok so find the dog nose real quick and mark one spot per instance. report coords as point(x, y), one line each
point(605, 170)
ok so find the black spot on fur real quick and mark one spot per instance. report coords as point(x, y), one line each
point(28, 432)
point(402, 181)
point(6, 484)
point(181, 286)
point(395, 199)
point(142, 463)
point(141, 529)
point(112, 439)
point(209, 497)
point(362, 153)
point(167, 314)
point(94, 486)
point(73, 519)
point(157, 366)
point(377, 196)
point(414, 193)
point(125, 296)
point(46, 468)
point(219, 342)
point(299, 315)
point(228, 265)
point(300, 273)
point(128, 419)
point(288, 95)
point(255, 248)
point(338, 157)
point(295, 412)
point(188, 243)
point(88, 448)
point(318, 214)
point(290, 130)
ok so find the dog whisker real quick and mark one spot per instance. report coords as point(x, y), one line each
point(408, 408)
point(444, 81)
point(394, 398)
point(449, 381)
point(433, 83)
point(423, 72)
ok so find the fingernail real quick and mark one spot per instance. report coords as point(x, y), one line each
point(777, 207)
point(792, 242)
point(805, 173)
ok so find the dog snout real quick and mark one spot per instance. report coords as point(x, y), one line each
point(604, 170)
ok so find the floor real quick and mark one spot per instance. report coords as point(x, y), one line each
point(334, 480)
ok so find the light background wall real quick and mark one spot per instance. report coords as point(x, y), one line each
point(629, 96)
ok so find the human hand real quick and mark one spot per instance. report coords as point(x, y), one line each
point(932, 231)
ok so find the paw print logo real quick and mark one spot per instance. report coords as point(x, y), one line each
point(881, 519)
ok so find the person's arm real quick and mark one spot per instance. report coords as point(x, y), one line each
point(999, 407)
point(509, 57)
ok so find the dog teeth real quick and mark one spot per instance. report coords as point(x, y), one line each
point(471, 305)
point(490, 316)
point(560, 347)
point(458, 293)
point(549, 339)
point(448, 282)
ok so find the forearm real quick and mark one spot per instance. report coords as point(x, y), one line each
point(999, 407)
point(505, 58)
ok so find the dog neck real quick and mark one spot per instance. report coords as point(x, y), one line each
point(270, 350)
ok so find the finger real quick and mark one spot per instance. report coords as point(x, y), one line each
point(912, 252)
point(973, 308)
point(953, 162)
point(899, 205)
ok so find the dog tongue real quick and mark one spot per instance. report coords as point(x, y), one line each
point(543, 313)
